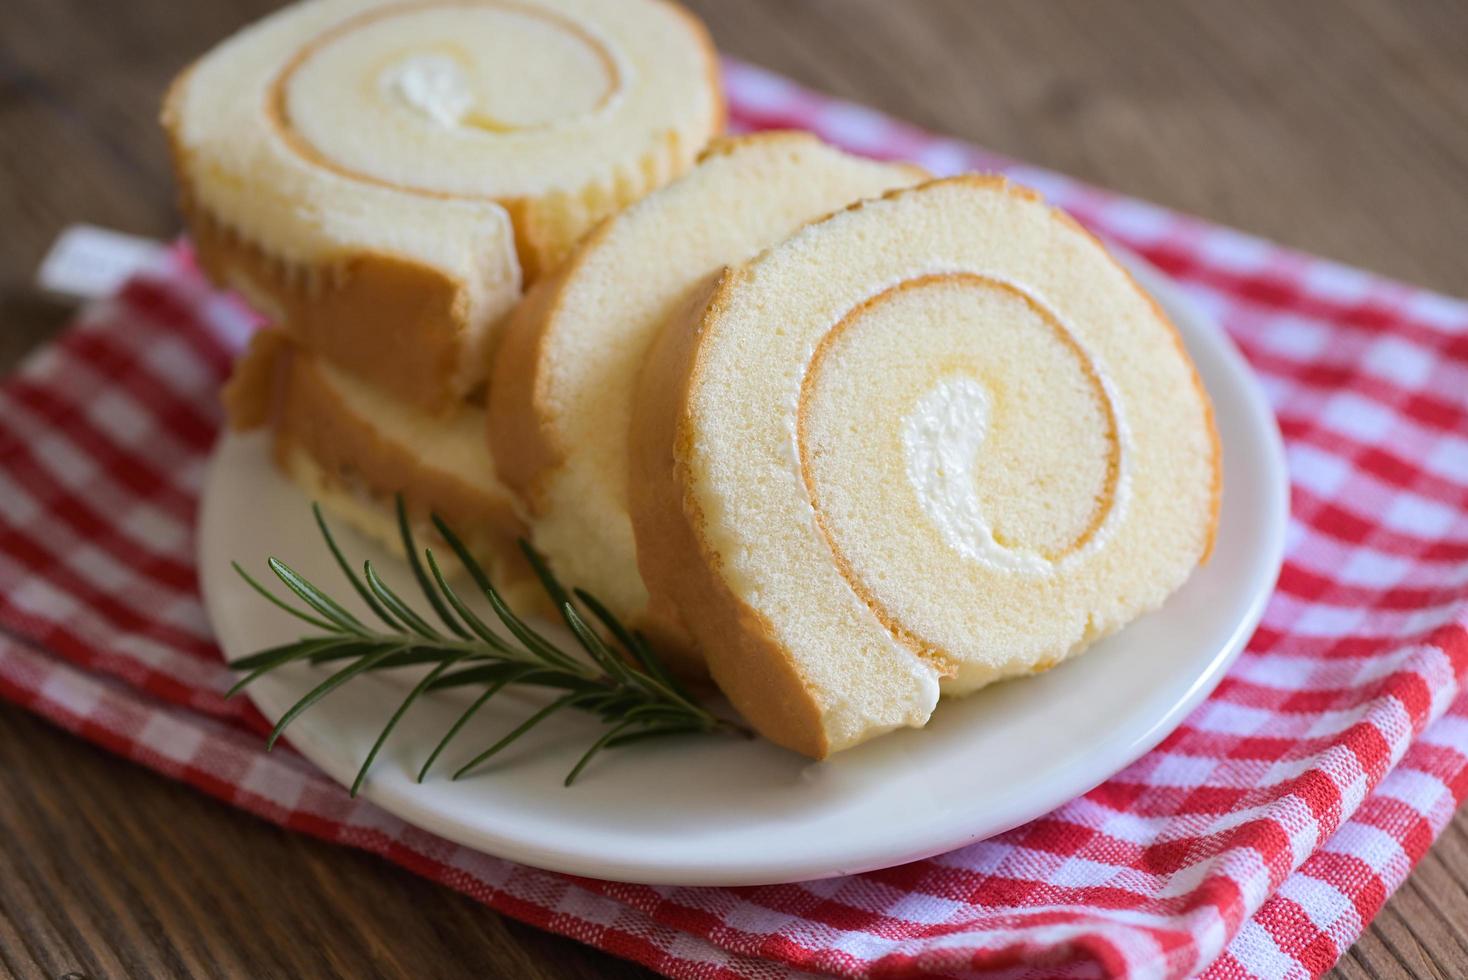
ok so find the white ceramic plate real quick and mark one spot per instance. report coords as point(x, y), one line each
point(716, 811)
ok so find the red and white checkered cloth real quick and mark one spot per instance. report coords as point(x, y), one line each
point(1258, 839)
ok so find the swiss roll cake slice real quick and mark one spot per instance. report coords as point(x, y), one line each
point(560, 398)
point(381, 176)
point(354, 450)
point(930, 442)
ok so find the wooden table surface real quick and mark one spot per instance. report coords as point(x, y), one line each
point(1338, 126)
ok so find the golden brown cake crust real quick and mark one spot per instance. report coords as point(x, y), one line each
point(276, 384)
point(523, 444)
point(249, 396)
point(395, 322)
point(754, 672)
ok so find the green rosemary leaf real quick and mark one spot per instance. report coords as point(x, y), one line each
point(594, 645)
point(411, 550)
point(636, 650)
point(459, 723)
point(397, 716)
point(400, 609)
point(465, 613)
point(326, 687)
point(277, 655)
point(636, 647)
point(674, 694)
point(412, 657)
point(259, 664)
point(596, 648)
point(490, 674)
point(654, 664)
point(532, 677)
point(617, 666)
point(548, 581)
point(277, 601)
point(667, 713)
point(615, 677)
point(611, 702)
point(315, 598)
point(345, 566)
point(519, 730)
point(532, 641)
point(528, 637)
point(596, 747)
point(647, 734)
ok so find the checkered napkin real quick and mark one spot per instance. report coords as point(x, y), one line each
point(1258, 839)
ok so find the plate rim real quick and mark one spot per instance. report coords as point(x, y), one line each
point(1079, 773)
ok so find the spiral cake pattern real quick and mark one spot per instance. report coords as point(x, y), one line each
point(931, 442)
point(561, 396)
point(382, 176)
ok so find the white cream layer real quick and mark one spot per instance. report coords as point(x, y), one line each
point(433, 85)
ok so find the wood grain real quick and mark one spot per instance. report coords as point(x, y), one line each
point(1338, 126)
point(107, 870)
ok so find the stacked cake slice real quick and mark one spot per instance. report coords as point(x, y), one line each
point(930, 442)
point(561, 394)
point(841, 437)
point(382, 180)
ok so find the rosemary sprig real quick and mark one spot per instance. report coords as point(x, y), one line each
point(617, 678)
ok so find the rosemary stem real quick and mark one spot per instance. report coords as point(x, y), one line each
point(613, 676)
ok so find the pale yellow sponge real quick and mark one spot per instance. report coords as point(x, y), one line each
point(561, 394)
point(380, 176)
point(931, 442)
